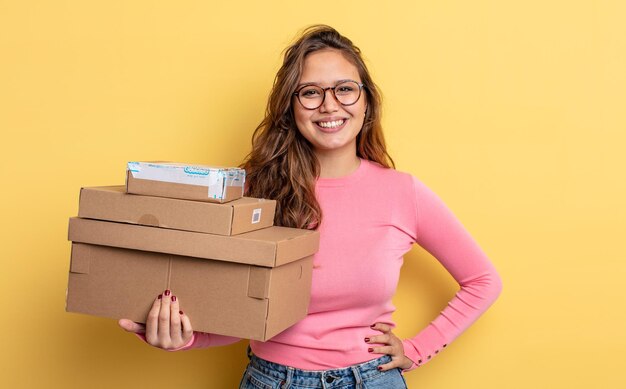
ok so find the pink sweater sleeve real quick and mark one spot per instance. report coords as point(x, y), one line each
point(202, 340)
point(441, 234)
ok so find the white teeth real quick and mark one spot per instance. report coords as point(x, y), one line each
point(334, 123)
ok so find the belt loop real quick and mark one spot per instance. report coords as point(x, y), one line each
point(288, 378)
point(357, 377)
point(249, 352)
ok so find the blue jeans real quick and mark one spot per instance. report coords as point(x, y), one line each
point(262, 374)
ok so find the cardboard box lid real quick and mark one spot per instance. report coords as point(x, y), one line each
point(270, 247)
point(114, 204)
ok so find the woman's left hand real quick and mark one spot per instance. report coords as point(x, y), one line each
point(391, 345)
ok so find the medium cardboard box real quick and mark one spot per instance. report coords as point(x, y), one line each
point(219, 297)
point(253, 285)
point(234, 217)
point(269, 247)
point(183, 181)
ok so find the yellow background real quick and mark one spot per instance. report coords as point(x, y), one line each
point(512, 111)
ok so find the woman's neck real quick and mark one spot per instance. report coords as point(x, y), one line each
point(333, 165)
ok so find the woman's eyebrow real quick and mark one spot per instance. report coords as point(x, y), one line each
point(318, 84)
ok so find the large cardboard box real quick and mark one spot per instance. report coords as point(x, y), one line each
point(234, 217)
point(183, 181)
point(253, 285)
point(219, 297)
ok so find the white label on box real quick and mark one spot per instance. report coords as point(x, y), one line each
point(256, 215)
point(217, 189)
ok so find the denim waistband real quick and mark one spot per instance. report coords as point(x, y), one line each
point(351, 375)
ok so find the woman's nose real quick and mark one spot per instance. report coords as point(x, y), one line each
point(330, 103)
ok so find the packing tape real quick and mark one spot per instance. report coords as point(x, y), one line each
point(169, 274)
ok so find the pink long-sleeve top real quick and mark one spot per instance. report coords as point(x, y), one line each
point(371, 218)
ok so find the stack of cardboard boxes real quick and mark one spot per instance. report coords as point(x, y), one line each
point(188, 229)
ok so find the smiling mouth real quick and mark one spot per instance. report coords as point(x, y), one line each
point(331, 124)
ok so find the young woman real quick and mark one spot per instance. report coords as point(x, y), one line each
point(321, 154)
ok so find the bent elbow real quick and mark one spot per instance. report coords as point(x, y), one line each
point(495, 286)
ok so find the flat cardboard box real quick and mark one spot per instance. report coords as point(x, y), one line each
point(220, 297)
point(112, 203)
point(270, 247)
point(183, 181)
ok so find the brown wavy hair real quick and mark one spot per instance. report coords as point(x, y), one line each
point(282, 165)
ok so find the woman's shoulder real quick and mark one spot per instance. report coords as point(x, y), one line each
point(382, 172)
point(389, 179)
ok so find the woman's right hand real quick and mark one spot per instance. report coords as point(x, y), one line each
point(167, 327)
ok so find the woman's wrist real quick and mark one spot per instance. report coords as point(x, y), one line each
point(407, 363)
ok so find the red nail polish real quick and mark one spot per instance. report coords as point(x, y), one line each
point(181, 312)
point(167, 292)
point(369, 350)
point(373, 325)
point(173, 298)
point(367, 340)
point(160, 296)
point(379, 368)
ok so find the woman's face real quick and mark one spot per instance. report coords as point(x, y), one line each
point(331, 128)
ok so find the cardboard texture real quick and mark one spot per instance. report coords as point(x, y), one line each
point(187, 182)
point(270, 247)
point(112, 203)
point(220, 297)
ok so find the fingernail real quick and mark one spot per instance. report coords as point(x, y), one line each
point(373, 325)
point(367, 340)
point(369, 350)
point(173, 298)
point(380, 368)
point(160, 296)
point(167, 292)
point(181, 312)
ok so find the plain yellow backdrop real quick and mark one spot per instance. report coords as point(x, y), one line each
point(512, 111)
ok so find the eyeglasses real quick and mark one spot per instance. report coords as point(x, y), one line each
point(347, 92)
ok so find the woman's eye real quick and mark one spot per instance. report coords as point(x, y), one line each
point(345, 89)
point(310, 93)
